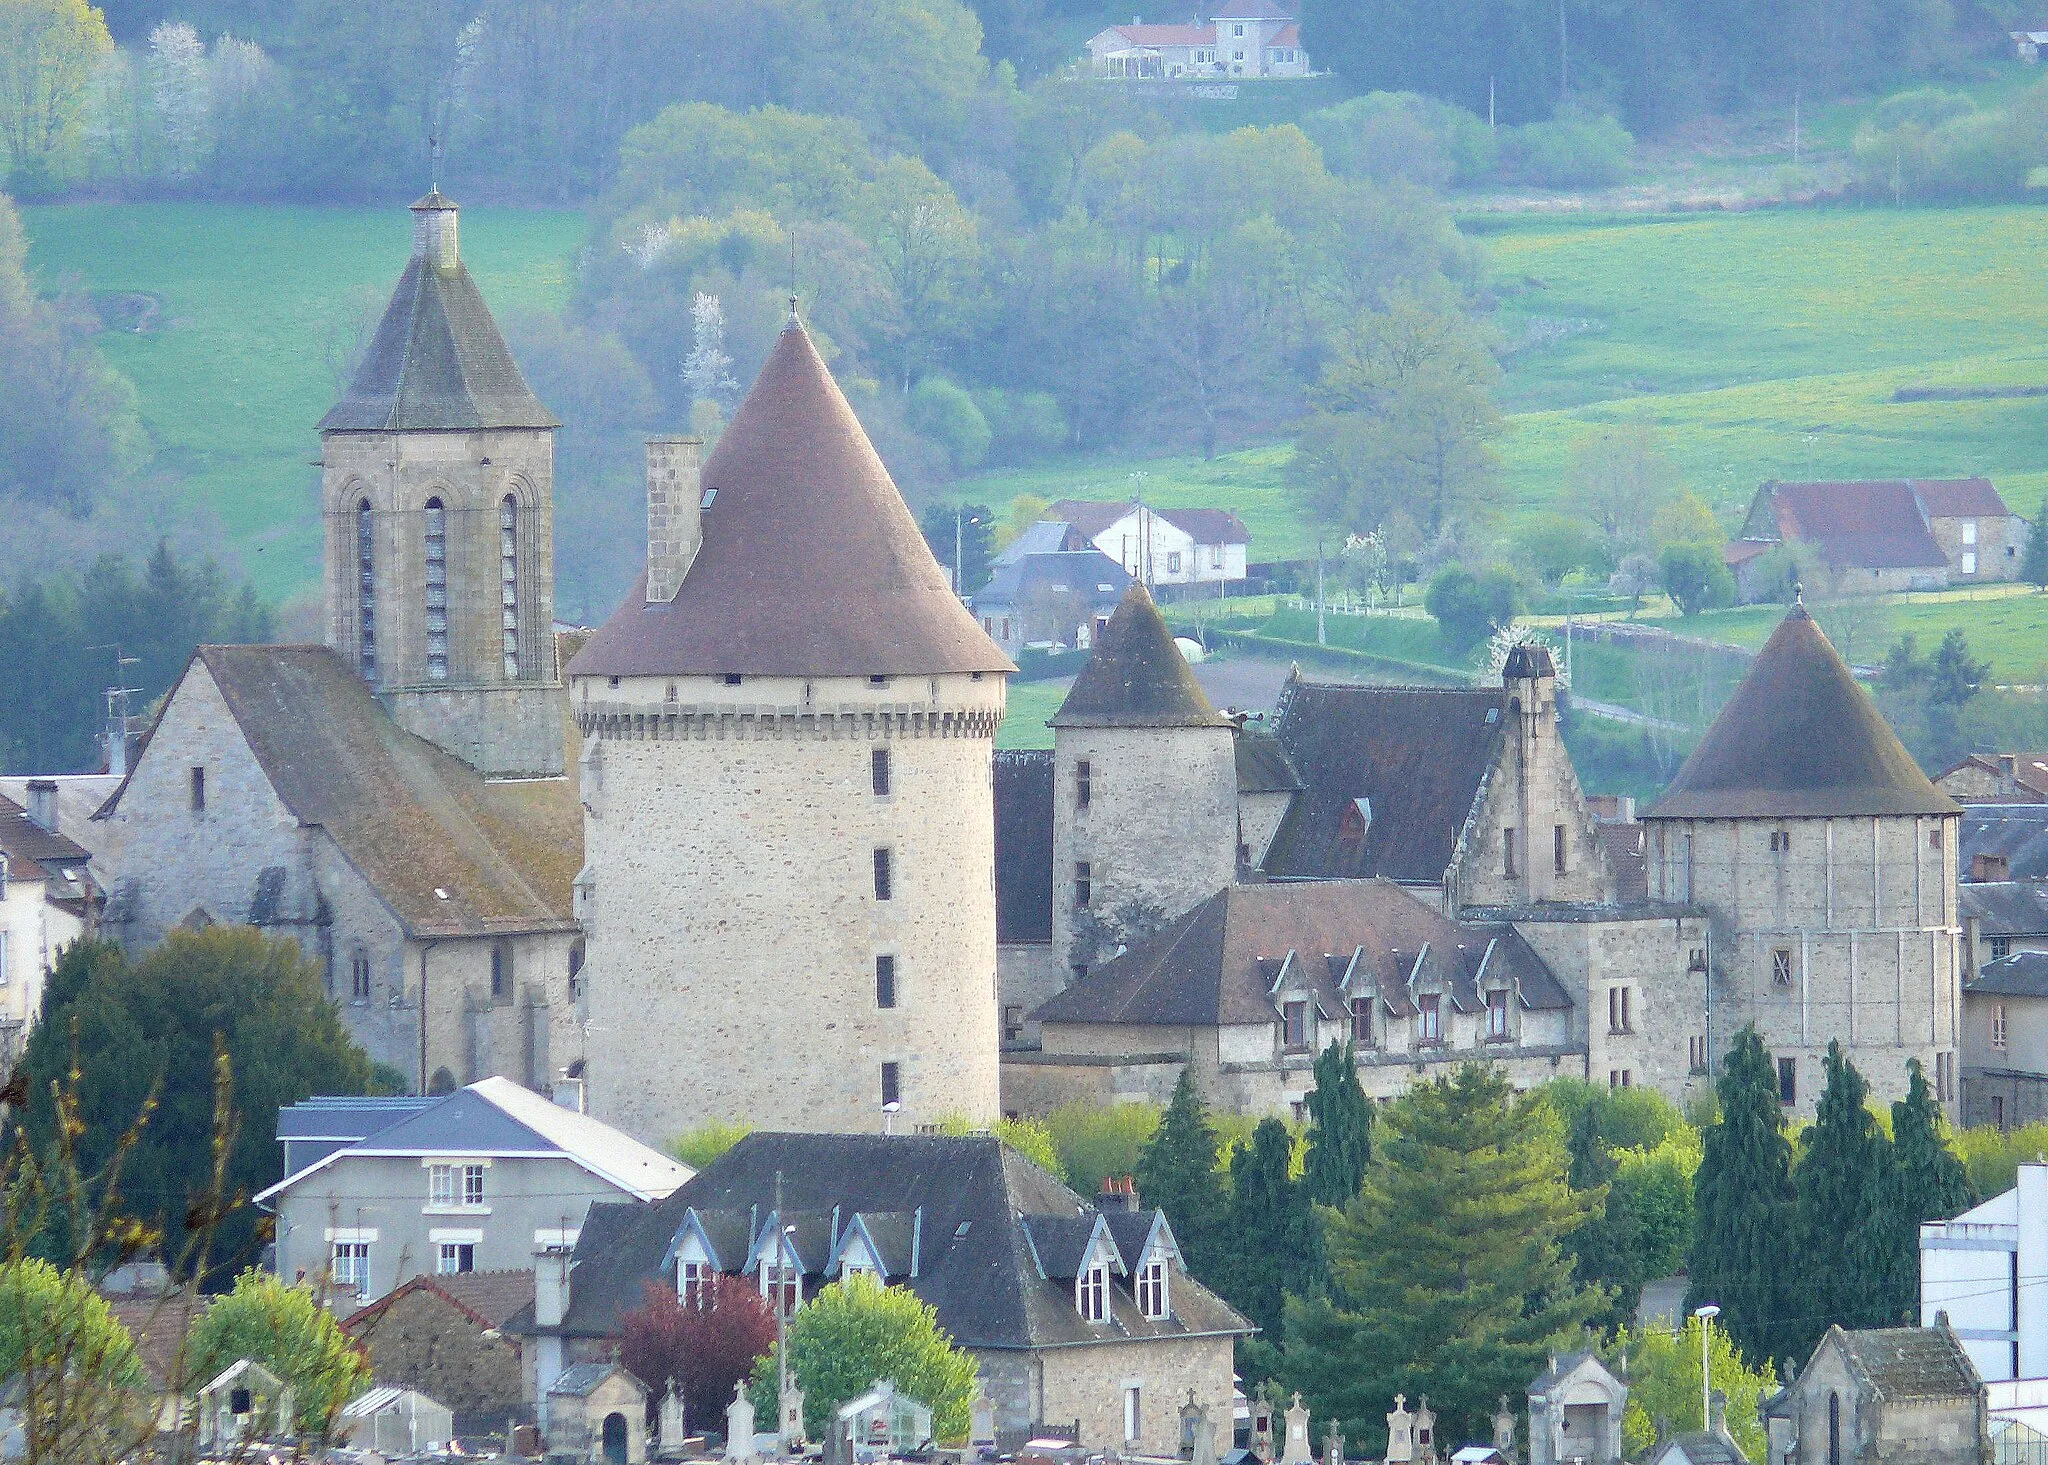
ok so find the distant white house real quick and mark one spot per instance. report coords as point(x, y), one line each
point(48, 899)
point(1243, 38)
point(1162, 547)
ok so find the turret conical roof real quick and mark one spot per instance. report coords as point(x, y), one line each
point(811, 564)
point(1800, 739)
point(437, 362)
point(1137, 676)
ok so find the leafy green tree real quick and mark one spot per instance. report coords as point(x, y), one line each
point(1096, 1141)
point(698, 1147)
point(1447, 1272)
point(1177, 1174)
point(948, 416)
point(1743, 1196)
point(1617, 479)
point(1272, 1239)
point(284, 1328)
point(1954, 675)
point(1927, 1183)
point(151, 1028)
point(972, 528)
point(857, 1331)
point(1663, 1371)
point(79, 1372)
point(2034, 564)
point(1695, 577)
point(1467, 607)
point(47, 51)
point(1340, 1128)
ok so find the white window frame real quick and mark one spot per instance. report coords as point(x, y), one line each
point(693, 1280)
point(448, 1260)
point(1091, 1293)
point(1154, 1290)
point(472, 1186)
point(1998, 1026)
point(348, 1265)
point(1497, 1020)
point(441, 1186)
point(3, 934)
point(1133, 1411)
point(1429, 1018)
point(1969, 562)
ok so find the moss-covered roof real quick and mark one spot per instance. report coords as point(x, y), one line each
point(1137, 676)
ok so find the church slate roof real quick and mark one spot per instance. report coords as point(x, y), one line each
point(811, 564)
point(437, 361)
point(1419, 755)
point(1800, 739)
point(1137, 676)
point(1908, 1363)
point(978, 1202)
point(1216, 965)
point(1023, 844)
point(449, 853)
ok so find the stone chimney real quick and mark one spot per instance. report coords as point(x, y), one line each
point(1529, 677)
point(550, 1284)
point(1119, 1193)
point(676, 500)
point(1985, 866)
point(433, 231)
point(42, 804)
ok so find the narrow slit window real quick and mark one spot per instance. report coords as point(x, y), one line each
point(885, 874)
point(199, 790)
point(1507, 852)
point(1557, 848)
point(885, 981)
point(892, 1083)
point(366, 592)
point(1084, 884)
point(1084, 784)
point(508, 575)
point(437, 591)
point(879, 771)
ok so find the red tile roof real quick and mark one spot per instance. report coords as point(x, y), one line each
point(1960, 498)
point(1167, 35)
point(29, 847)
point(487, 1299)
point(811, 565)
point(1869, 525)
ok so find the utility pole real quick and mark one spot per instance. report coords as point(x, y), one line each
point(1322, 638)
point(781, 1317)
point(1564, 56)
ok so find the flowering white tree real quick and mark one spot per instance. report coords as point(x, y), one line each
point(180, 88)
point(1521, 633)
point(708, 370)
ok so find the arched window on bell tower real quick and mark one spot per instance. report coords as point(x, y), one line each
point(437, 591)
point(508, 575)
point(366, 592)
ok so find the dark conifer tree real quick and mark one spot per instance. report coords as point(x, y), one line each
point(1841, 1192)
point(1743, 1204)
point(1927, 1184)
point(1273, 1249)
point(1340, 1134)
point(1177, 1174)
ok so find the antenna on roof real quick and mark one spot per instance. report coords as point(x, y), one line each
point(792, 276)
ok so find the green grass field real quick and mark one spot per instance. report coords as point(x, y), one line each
point(251, 304)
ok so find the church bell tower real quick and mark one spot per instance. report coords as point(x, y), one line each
point(437, 493)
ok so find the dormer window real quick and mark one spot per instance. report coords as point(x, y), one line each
point(1429, 1018)
point(1152, 1289)
point(1091, 1293)
point(1294, 1018)
point(783, 1286)
point(693, 1283)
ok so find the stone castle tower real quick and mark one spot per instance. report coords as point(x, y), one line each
point(1145, 807)
point(437, 490)
point(789, 884)
point(1827, 863)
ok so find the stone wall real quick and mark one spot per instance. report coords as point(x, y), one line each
point(734, 927)
point(2001, 541)
point(471, 474)
point(1532, 789)
point(1827, 929)
point(1027, 973)
point(423, 1341)
point(1088, 1384)
point(1159, 832)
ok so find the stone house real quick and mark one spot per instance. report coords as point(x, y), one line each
point(1467, 796)
point(444, 1335)
point(1077, 1314)
point(1883, 535)
point(1997, 778)
point(1882, 1394)
point(1166, 549)
point(48, 899)
point(2005, 841)
point(1246, 989)
point(786, 780)
point(1827, 862)
point(597, 1411)
point(2005, 1041)
point(395, 799)
point(274, 790)
point(1056, 598)
point(475, 1181)
point(2000, 917)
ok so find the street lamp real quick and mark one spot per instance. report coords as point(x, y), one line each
point(1706, 1314)
point(958, 521)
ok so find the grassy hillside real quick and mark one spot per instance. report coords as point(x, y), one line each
point(242, 309)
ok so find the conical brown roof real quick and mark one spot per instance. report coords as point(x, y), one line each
point(1137, 676)
point(811, 564)
point(1800, 739)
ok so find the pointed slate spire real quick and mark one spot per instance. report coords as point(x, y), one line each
point(1137, 676)
point(1800, 739)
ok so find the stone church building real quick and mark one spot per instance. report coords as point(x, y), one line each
point(397, 800)
point(786, 771)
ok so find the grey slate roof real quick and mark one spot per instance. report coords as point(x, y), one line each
point(1908, 1363)
point(2006, 907)
point(979, 1205)
point(1137, 676)
point(2017, 831)
point(2023, 974)
point(1047, 536)
point(581, 1379)
point(1800, 739)
point(1262, 766)
point(1420, 755)
point(1217, 965)
point(1087, 573)
point(450, 853)
point(1024, 779)
point(437, 361)
point(1699, 1448)
point(32, 851)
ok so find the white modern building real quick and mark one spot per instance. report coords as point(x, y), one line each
point(1161, 547)
point(1988, 1270)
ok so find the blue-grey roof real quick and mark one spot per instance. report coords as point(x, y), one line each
point(580, 1379)
point(2023, 974)
point(1047, 536)
point(1087, 572)
point(312, 1130)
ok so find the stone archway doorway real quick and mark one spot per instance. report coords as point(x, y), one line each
point(615, 1438)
